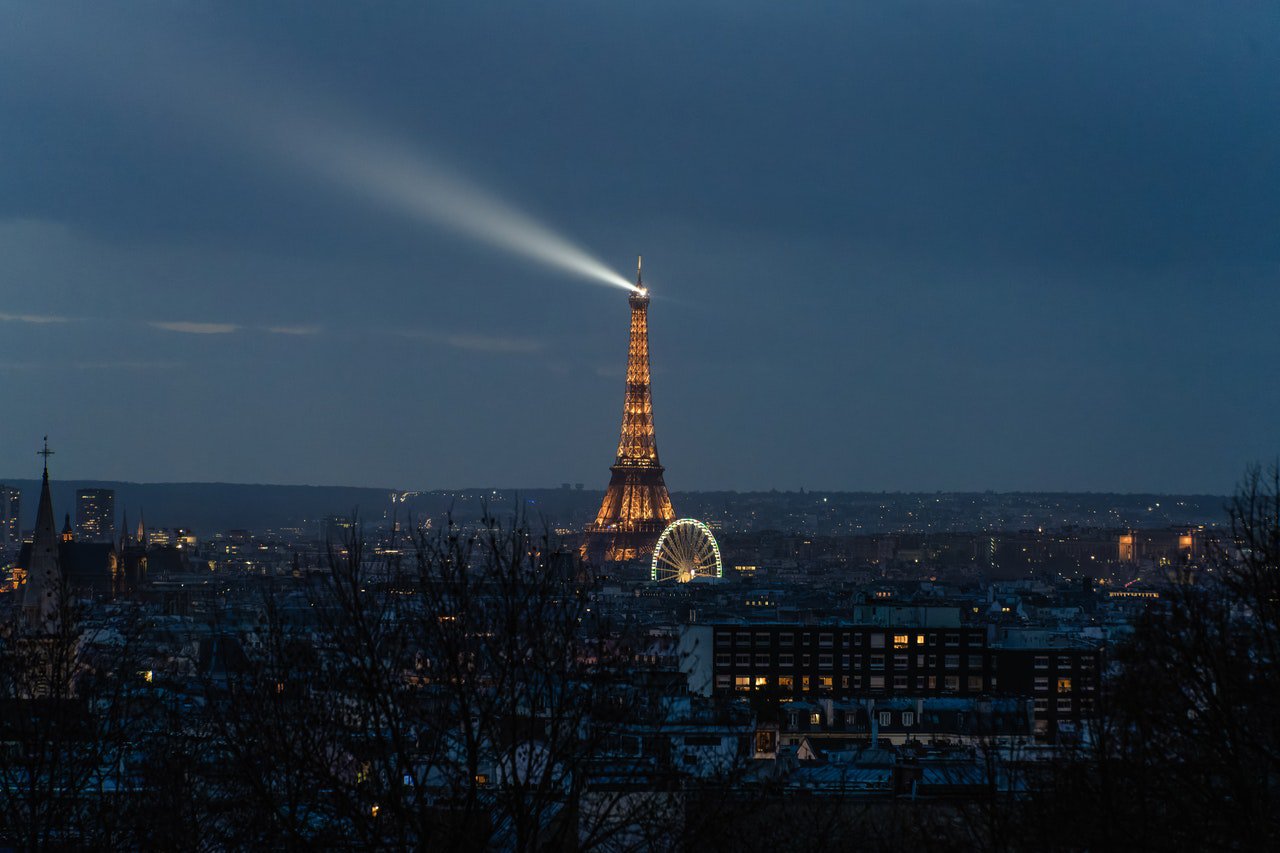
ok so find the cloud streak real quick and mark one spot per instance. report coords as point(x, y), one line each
point(192, 328)
point(185, 327)
point(34, 319)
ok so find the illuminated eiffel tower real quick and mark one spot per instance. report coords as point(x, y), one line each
point(636, 506)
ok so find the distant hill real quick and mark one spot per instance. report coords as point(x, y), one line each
point(210, 507)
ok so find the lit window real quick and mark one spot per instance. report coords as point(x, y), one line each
point(787, 682)
point(1064, 685)
point(815, 719)
point(919, 639)
point(762, 681)
point(804, 682)
point(742, 682)
point(900, 641)
point(824, 681)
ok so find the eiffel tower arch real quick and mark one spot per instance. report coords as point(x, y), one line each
point(636, 506)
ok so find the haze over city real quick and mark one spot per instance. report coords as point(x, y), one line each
point(906, 246)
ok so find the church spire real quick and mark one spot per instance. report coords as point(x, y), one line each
point(45, 524)
point(44, 574)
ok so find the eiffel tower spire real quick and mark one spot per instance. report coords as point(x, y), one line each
point(636, 506)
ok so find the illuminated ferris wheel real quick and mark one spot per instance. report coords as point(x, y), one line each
point(686, 550)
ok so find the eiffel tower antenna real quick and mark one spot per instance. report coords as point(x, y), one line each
point(636, 506)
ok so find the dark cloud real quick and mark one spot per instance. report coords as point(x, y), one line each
point(893, 245)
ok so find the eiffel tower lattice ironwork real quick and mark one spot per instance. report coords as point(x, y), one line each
point(636, 506)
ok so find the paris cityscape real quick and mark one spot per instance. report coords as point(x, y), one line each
point(321, 526)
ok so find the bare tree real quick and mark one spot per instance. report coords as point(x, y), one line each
point(1186, 753)
point(453, 690)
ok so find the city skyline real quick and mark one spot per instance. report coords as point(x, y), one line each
point(979, 248)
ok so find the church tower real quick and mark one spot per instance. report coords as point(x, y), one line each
point(41, 595)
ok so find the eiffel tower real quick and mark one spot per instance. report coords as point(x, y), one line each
point(636, 506)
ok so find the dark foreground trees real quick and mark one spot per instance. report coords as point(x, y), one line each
point(453, 692)
point(1187, 753)
point(456, 691)
point(456, 695)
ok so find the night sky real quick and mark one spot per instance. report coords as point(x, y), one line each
point(893, 245)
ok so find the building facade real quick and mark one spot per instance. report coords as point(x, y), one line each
point(852, 660)
point(95, 515)
point(10, 526)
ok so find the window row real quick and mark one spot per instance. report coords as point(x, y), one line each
point(874, 662)
point(827, 639)
point(950, 683)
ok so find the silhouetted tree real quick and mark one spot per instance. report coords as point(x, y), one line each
point(454, 691)
point(1186, 754)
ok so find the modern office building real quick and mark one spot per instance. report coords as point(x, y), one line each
point(95, 515)
point(10, 529)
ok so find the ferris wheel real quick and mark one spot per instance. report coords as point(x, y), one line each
point(686, 550)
